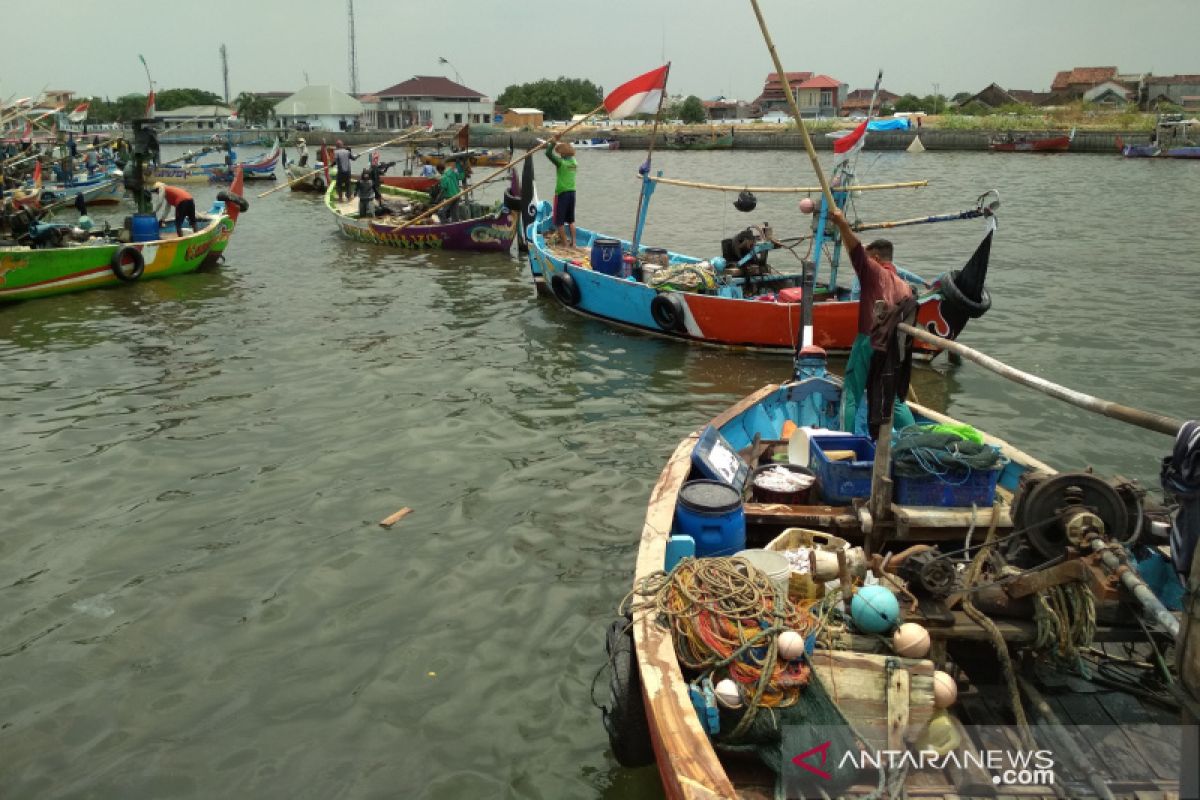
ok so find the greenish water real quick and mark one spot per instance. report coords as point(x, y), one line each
point(196, 600)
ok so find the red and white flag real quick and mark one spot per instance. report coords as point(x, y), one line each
point(150, 105)
point(852, 142)
point(37, 175)
point(638, 96)
point(80, 113)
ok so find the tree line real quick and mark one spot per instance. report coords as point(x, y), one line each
point(250, 107)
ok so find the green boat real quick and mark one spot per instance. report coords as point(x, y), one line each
point(31, 272)
point(698, 141)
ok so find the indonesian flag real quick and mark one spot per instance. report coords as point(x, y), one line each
point(851, 143)
point(37, 175)
point(80, 113)
point(639, 96)
point(150, 105)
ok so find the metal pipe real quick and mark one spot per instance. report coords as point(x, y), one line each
point(1116, 563)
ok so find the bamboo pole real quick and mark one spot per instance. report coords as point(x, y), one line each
point(400, 138)
point(649, 155)
point(541, 146)
point(716, 187)
point(1134, 416)
point(791, 99)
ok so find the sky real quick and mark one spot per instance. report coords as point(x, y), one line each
point(715, 46)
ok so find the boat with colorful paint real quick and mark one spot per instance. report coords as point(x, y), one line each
point(485, 228)
point(687, 140)
point(596, 143)
point(736, 299)
point(99, 190)
point(479, 158)
point(261, 167)
point(1174, 137)
point(103, 260)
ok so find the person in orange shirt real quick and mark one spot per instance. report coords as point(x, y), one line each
point(172, 196)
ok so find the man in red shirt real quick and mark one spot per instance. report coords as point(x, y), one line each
point(879, 281)
point(180, 200)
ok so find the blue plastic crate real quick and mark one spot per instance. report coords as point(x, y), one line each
point(979, 488)
point(842, 481)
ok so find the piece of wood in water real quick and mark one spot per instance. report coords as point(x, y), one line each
point(394, 518)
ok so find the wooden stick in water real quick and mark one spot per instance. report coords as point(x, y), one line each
point(1134, 416)
point(388, 522)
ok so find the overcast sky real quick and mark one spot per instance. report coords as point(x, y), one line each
point(714, 45)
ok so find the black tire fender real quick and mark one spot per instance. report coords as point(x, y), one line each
point(565, 289)
point(667, 310)
point(128, 264)
point(232, 197)
point(319, 183)
point(625, 715)
point(953, 297)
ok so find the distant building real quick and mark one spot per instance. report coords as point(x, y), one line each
point(816, 95)
point(1110, 93)
point(1073, 83)
point(1177, 90)
point(521, 117)
point(432, 101)
point(320, 107)
point(192, 118)
point(723, 109)
point(859, 101)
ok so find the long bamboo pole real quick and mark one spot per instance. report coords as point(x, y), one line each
point(649, 155)
point(431, 211)
point(791, 99)
point(402, 137)
point(1134, 416)
point(716, 187)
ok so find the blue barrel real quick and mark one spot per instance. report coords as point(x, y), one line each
point(711, 513)
point(606, 256)
point(144, 228)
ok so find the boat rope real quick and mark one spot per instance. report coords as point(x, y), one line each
point(998, 643)
point(1066, 622)
point(716, 187)
point(725, 615)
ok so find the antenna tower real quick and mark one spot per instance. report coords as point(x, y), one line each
point(225, 71)
point(353, 51)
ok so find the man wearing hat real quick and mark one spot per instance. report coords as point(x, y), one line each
point(303, 148)
point(173, 197)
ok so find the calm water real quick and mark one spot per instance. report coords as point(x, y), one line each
point(196, 600)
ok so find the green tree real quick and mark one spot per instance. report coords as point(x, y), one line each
point(254, 109)
point(558, 99)
point(691, 110)
point(170, 99)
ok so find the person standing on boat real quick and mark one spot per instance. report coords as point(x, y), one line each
point(174, 197)
point(867, 370)
point(450, 186)
point(365, 190)
point(72, 147)
point(562, 155)
point(342, 157)
point(302, 148)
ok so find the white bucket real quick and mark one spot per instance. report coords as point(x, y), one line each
point(774, 565)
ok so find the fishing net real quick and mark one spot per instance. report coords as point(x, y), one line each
point(684, 278)
point(920, 450)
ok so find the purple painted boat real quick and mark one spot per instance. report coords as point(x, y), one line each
point(488, 228)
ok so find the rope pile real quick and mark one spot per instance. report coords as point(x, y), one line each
point(724, 613)
point(1066, 620)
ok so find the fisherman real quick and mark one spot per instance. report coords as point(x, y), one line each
point(72, 147)
point(174, 197)
point(365, 191)
point(92, 161)
point(562, 155)
point(428, 170)
point(377, 170)
point(867, 368)
point(449, 186)
point(302, 148)
point(342, 157)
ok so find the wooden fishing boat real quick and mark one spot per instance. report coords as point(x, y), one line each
point(684, 140)
point(1174, 137)
point(261, 167)
point(307, 178)
point(97, 191)
point(414, 183)
point(854, 692)
point(102, 261)
point(596, 143)
point(485, 228)
point(732, 300)
point(1051, 144)
point(479, 158)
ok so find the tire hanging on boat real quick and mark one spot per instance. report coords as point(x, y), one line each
point(954, 297)
point(667, 310)
point(625, 715)
point(128, 264)
point(226, 196)
point(565, 289)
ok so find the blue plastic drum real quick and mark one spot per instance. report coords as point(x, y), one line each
point(606, 256)
point(711, 513)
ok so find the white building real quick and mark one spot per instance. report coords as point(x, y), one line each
point(321, 107)
point(191, 118)
point(432, 101)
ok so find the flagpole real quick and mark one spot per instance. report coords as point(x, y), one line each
point(870, 111)
point(541, 146)
point(637, 230)
point(791, 99)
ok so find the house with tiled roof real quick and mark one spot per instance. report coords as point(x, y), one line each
point(859, 101)
point(1176, 90)
point(1073, 83)
point(816, 95)
point(724, 109)
point(433, 101)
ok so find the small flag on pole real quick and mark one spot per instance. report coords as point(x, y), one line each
point(638, 96)
point(80, 113)
point(851, 143)
point(150, 105)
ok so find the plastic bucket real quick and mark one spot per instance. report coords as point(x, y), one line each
point(768, 494)
point(774, 565)
point(711, 513)
point(606, 256)
point(143, 228)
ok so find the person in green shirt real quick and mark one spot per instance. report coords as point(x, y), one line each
point(450, 186)
point(562, 155)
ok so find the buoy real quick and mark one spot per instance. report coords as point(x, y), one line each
point(875, 609)
point(945, 690)
point(728, 694)
point(911, 641)
point(807, 206)
point(791, 645)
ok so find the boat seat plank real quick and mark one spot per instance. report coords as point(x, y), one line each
point(1111, 759)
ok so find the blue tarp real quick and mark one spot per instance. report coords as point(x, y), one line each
point(899, 124)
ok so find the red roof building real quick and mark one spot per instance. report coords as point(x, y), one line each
point(433, 101)
point(816, 95)
point(1074, 82)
